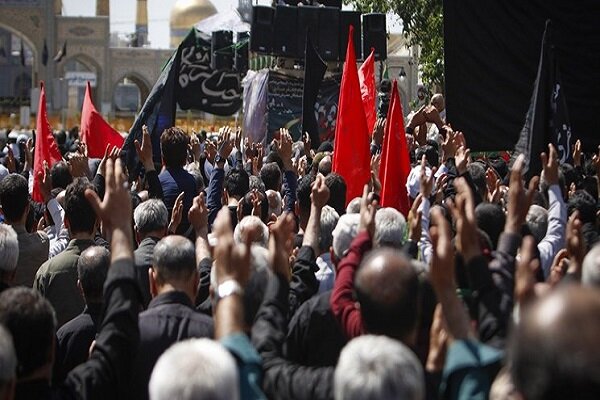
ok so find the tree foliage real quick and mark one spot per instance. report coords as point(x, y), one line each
point(423, 24)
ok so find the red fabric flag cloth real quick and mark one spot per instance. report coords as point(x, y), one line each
point(366, 76)
point(395, 158)
point(351, 155)
point(95, 131)
point(46, 148)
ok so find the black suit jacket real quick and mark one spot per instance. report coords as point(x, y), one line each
point(143, 260)
point(170, 318)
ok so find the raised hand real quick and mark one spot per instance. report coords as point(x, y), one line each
point(232, 260)
point(45, 182)
point(493, 185)
point(280, 242)
point(226, 144)
point(11, 163)
point(463, 212)
point(177, 214)
point(550, 165)
point(307, 144)
point(319, 193)
point(426, 182)
point(78, 163)
point(198, 215)
point(577, 153)
point(414, 220)
point(559, 267)
point(144, 150)
point(527, 264)
point(368, 208)
point(284, 148)
point(211, 151)
point(462, 159)
point(575, 245)
point(195, 147)
point(518, 199)
point(379, 131)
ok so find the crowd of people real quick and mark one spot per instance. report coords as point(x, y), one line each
point(237, 270)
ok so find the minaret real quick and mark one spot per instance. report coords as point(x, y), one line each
point(141, 23)
point(102, 8)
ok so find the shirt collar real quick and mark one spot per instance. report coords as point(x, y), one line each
point(171, 297)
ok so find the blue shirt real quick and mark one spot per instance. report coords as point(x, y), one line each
point(173, 182)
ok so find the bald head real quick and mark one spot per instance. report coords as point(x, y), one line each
point(92, 268)
point(554, 349)
point(387, 289)
point(437, 100)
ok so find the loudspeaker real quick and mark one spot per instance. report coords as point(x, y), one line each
point(241, 52)
point(308, 20)
point(221, 49)
point(285, 34)
point(348, 18)
point(374, 35)
point(261, 36)
point(328, 44)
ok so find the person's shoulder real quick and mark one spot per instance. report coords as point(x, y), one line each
point(80, 324)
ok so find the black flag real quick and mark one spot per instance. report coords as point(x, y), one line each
point(62, 53)
point(547, 120)
point(186, 80)
point(314, 71)
point(158, 114)
point(45, 53)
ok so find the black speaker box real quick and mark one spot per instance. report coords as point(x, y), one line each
point(221, 49)
point(285, 33)
point(308, 20)
point(241, 52)
point(261, 36)
point(374, 35)
point(348, 18)
point(328, 43)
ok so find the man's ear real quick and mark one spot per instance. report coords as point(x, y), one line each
point(152, 282)
point(67, 223)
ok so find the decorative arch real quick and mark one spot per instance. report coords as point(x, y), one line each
point(30, 43)
point(140, 81)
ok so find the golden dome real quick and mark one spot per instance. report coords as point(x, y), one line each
point(185, 14)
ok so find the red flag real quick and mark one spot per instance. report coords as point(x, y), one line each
point(366, 76)
point(351, 155)
point(95, 131)
point(46, 148)
point(395, 158)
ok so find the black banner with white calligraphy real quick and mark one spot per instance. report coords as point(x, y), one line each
point(199, 86)
point(284, 105)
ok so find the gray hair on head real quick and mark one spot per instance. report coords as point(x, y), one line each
point(390, 227)
point(151, 215)
point(377, 367)
point(9, 248)
point(345, 231)
point(252, 225)
point(195, 369)
point(590, 271)
point(329, 220)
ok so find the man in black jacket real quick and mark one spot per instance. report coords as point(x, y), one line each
point(170, 316)
point(31, 321)
point(74, 338)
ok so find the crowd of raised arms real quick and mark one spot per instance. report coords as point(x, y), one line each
point(237, 270)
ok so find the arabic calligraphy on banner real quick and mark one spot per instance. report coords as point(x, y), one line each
point(284, 105)
point(202, 88)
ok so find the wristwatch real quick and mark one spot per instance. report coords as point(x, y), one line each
point(228, 288)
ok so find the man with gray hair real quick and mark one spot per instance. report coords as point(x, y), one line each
point(151, 220)
point(326, 272)
point(195, 369)
point(8, 365)
point(251, 227)
point(590, 270)
point(9, 255)
point(170, 316)
point(377, 367)
point(74, 338)
point(390, 227)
